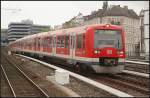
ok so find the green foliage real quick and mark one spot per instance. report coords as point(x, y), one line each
point(45, 29)
point(115, 23)
point(70, 24)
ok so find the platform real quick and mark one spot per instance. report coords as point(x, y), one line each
point(82, 78)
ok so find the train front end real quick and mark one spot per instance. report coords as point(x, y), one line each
point(108, 49)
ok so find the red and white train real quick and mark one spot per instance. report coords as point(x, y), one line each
point(97, 48)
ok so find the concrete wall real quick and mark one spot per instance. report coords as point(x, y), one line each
point(146, 33)
point(92, 21)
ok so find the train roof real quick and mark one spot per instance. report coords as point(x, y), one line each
point(80, 29)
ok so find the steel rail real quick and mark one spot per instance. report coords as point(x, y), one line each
point(84, 79)
point(8, 81)
point(28, 78)
point(137, 62)
point(32, 82)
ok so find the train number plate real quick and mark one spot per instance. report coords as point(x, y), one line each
point(109, 51)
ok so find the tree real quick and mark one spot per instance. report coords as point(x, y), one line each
point(45, 29)
point(115, 23)
point(105, 5)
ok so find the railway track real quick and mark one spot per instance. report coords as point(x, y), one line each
point(146, 61)
point(126, 84)
point(131, 84)
point(137, 67)
point(5, 87)
point(134, 85)
point(20, 84)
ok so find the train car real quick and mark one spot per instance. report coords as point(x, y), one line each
point(94, 48)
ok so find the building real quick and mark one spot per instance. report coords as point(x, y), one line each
point(18, 30)
point(94, 18)
point(74, 22)
point(39, 28)
point(130, 21)
point(4, 37)
point(57, 27)
point(120, 16)
point(144, 27)
point(79, 19)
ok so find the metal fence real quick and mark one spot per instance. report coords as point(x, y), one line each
point(137, 55)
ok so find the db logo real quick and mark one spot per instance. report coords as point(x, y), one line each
point(109, 51)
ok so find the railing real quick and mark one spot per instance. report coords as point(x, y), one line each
point(137, 55)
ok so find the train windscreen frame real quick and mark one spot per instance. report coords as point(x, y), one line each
point(108, 38)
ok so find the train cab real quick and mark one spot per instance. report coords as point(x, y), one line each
point(107, 48)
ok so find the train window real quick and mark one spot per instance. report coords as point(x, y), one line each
point(58, 41)
point(108, 38)
point(38, 42)
point(62, 41)
point(50, 41)
point(43, 42)
point(67, 41)
point(71, 42)
point(79, 41)
point(54, 42)
point(34, 42)
point(83, 41)
point(46, 43)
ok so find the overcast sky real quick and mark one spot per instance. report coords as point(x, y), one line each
point(56, 12)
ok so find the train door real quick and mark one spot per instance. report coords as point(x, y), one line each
point(42, 44)
point(72, 45)
point(47, 44)
point(36, 44)
point(54, 45)
point(38, 48)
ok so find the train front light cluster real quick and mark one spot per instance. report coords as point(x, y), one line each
point(97, 51)
point(107, 25)
point(120, 52)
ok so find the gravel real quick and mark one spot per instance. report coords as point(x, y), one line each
point(81, 88)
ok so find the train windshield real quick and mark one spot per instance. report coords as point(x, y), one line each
point(108, 38)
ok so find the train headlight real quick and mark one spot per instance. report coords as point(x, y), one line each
point(107, 25)
point(97, 51)
point(120, 52)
